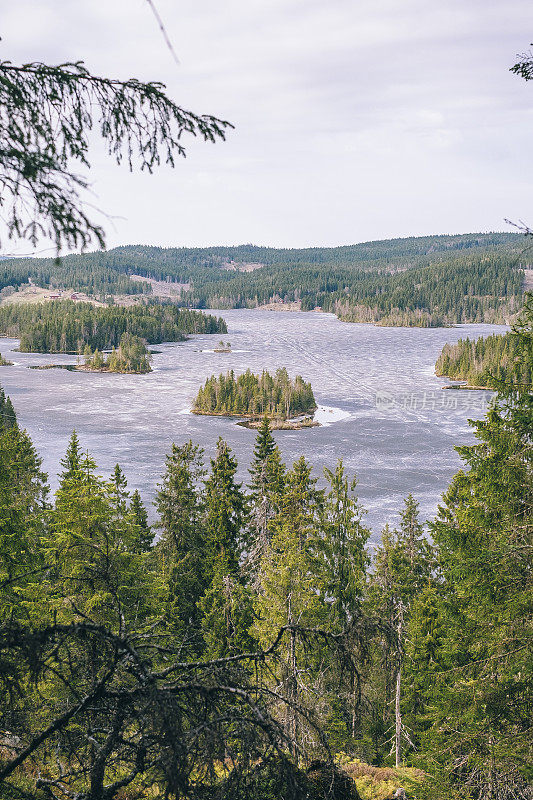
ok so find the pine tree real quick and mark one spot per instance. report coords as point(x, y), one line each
point(72, 459)
point(267, 473)
point(224, 520)
point(402, 569)
point(292, 584)
point(181, 550)
point(225, 514)
point(143, 536)
point(481, 701)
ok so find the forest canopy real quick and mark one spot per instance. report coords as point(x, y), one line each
point(491, 361)
point(430, 280)
point(63, 326)
point(131, 356)
point(254, 395)
point(258, 635)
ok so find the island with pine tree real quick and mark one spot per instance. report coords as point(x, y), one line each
point(131, 357)
point(288, 404)
point(223, 347)
point(4, 362)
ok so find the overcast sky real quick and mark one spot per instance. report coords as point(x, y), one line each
point(354, 119)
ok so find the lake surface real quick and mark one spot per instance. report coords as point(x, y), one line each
point(384, 411)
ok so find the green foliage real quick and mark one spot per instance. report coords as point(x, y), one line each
point(425, 281)
point(253, 395)
point(476, 711)
point(343, 543)
point(224, 516)
point(181, 548)
point(267, 473)
point(131, 356)
point(255, 633)
point(491, 361)
point(8, 417)
point(48, 113)
point(143, 535)
point(62, 326)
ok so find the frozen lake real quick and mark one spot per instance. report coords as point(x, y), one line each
point(384, 411)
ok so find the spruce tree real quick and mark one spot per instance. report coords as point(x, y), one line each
point(343, 543)
point(292, 584)
point(225, 515)
point(120, 490)
point(402, 569)
point(227, 616)
point(181, 549)
point(480, 703)
point(267, 473)
point(23, 512)
point(143, 532)
point(342, 559)
point(72, 459)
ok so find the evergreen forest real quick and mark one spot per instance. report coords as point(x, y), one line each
point(63, 326)
point(489, 361)
point(424, 281)
point(250, 644)
point(131, 356)
point(254, 395)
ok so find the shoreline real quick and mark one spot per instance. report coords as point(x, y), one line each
point(281, 425)
point(464, 385)
point(253, 421)
point(469, 388)
point(81, 368)
point(246, 415)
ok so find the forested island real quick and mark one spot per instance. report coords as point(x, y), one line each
point(261, 623)
point(4, 362)
point(423, 281)
point(249, 395)
point(131, 356)
point(64, 326)
point(487, 362)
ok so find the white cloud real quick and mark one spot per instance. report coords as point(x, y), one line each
point(355, 119)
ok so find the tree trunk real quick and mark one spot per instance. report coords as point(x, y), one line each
point(293, 694)
point(397, 708)
point(398, 719)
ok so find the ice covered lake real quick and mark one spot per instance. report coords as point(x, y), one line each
point(382, 407)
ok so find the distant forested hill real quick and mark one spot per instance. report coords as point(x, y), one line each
point(427, 280)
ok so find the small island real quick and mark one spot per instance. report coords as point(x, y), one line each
point(223, 347)
point(4, 362)
point(130, 357)
point(287, 403)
